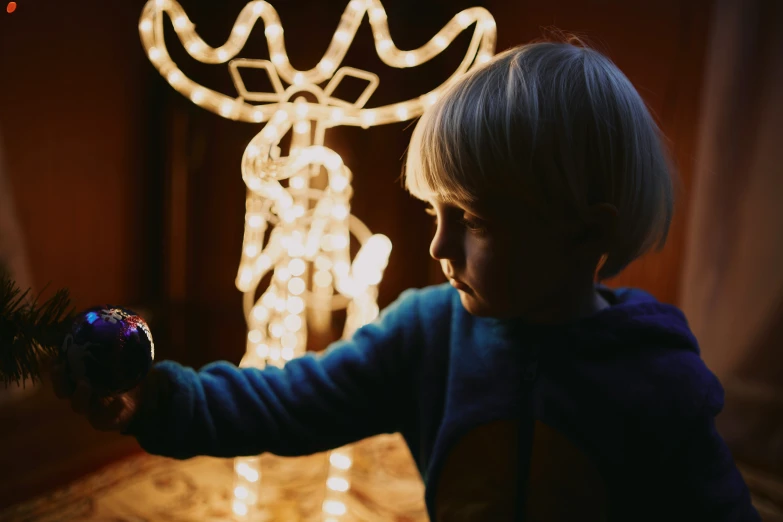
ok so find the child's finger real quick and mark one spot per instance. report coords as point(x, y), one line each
point(80, 399)
point(62, 385)
point(105, 412)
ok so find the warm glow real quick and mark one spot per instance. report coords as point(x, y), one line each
point(340, 461)
point(240, 508)
point(334, 507)
point(338, 484)
point(300, 232)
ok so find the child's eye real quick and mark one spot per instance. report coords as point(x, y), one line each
point(473, 224)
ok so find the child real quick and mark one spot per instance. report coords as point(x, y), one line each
point(524, 390)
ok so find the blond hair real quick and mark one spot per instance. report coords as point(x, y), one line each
point(555, 127)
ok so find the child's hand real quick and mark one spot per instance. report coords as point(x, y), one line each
point(104, 413)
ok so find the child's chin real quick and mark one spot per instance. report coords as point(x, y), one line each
point(474, 306)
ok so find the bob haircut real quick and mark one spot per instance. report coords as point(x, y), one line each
point(552, 128)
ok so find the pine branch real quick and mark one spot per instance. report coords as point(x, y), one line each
point(30, 333)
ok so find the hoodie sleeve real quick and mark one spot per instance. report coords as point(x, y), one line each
point(357, 388)
point(682, 469)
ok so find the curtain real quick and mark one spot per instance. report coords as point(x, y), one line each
point(732, 291)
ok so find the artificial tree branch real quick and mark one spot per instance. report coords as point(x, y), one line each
point(30, 333)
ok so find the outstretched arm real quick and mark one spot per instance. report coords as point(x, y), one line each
point(358, 388)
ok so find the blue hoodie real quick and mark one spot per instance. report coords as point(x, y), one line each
point(610, 417)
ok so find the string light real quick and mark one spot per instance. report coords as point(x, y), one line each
point(300, 233)
point(328, 68)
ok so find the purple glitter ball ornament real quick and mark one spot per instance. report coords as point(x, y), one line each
point(110, 347)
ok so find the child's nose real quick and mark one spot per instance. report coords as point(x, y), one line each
point(444, 245)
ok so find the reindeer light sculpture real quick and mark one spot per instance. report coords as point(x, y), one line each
point(307, 248)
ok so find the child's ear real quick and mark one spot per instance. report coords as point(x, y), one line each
point(598, 228)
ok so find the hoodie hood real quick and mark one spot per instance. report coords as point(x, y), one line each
point(638, 350)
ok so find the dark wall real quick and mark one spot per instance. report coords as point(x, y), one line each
point(128, 193)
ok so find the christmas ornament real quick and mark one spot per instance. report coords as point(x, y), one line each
point(110, 347)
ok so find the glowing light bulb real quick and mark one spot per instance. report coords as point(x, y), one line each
point(323, 263)
point(241, 492)
point(246, 275)
point(483, 57)
point(154, 53)
point(264, 262)
point(410, 59)
point(299, 78)
point(226, 108)
point(440, 42)
point(269, 299)
point(385, 44)
point(430, 99)
point(278, 59)
point(326, 65)
point(337, 484)
point(296, 285)
point(258, 8)
point(377, 14)
point(296, 267)
point(333, 162)
point(295, 305)
point(338, 183)
point(293, 323)
point(322, 278)
point(239, 508)
point(341, 268)
point(276, 329)
point(340, 241)
point(258, 116)
point(195, 47)
point(340, 211)
point(174, 76)
point(368, 117)
point(146, 26)
point(463, 19)
point(180, 22)
point(334, 507)
point(222, 55)
point(337, 114)
point(339, 460)
point(255, 221)
point(260, 313)
point(241, 30)
point(302, 109)
point(262, 350)
point(342, 36)
point(254, 336)
point(288, 341)
point(401, 112)
point(273, 31)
